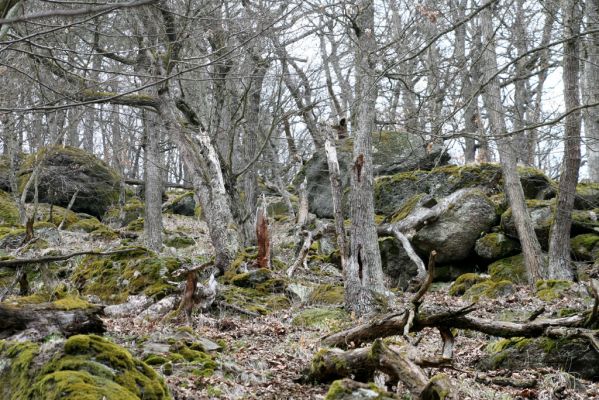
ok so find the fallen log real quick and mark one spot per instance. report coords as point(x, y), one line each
point(394, 324)
point(360, 364)
point(45, 318)
point(17, 262)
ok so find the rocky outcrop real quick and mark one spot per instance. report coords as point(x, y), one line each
point(454, 234)
point(571, 355)
point(391, 192)
point(393, 152)
point(183, 204)
point(66, 170)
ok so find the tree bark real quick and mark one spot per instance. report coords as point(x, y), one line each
point(591, 92)
point(364, 273)
point(559, 237)
point(153, 183)
point(531, 248)
point(336, 193)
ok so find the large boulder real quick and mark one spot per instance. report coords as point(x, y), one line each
point(392, 152)
point(587, 196)
point(454, 234)
point(496, 245)
point(82, 367)
point(397, 266)
point(391, 192)
point(182, 204)
point(542, 214)
point(575, 356)
point(66, 170)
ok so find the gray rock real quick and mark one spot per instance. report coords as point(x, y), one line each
point(496, 245)
point(133, 306)
point(299, 292)
point(455, 232)
point(184, 204)
point(159, 309)
point(574, 356)
point(399, 269)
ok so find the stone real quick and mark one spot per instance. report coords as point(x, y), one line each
point(67, 170)
point(134, 305)
point(454, 234)
point(496, 245)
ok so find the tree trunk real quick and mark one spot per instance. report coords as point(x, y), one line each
point(513, 188)
point(364, 273)
point(559, 238)
point(591, 115)
point(152, 182)
point(336, 193)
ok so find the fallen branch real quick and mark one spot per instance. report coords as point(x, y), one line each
point(394, 324)
point(17, 262)
point(360, 364)
point(310, 237)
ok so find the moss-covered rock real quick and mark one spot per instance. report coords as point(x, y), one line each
point(67, 170)
point(327, 294)
point(392, 191)
point(587, 196)
point(551, 289)
point(136, 225)
point(490, 289)
point(454, 233)
point(179, 241)
point(251, 278)
point(511, 269)
point(254, 300)
point(324, 318)
point(182, 204)
point(115, 277)
point(585, 247)
point(465, 282)
point(346, 389)
point(9, 214)
point(496, 245)
point(118, 217)
point(84, 367)
point(95, 227)
point(55, 214)
point(516, 354)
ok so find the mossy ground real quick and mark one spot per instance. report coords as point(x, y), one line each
point(327, 294)
point(489, 289)
point(323, 318)
point(551, 289)
point(115, 277)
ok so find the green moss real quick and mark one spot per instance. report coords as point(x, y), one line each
point(196, 356)
point(406, 208)
point(551, 289)
point(490, 289)
point(585, 246)
point(251, 279)
point(511, 268)
point(95, 227)
point(321, 318)
point(496, 245)
point(155, 359)
point(276, 303)
point(90, 368)
point(464, 282)
point(179, 242)
point(9, 213)
point(115, 277)
point(70, 303)
point(57, 215)
point(327, 294)
point(136, 225)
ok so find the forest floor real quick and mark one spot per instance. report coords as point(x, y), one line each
point(265, 357)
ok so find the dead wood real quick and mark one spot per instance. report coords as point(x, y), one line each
point(506, 381)
point(46, 318)
point(263, 237)
point(17, 262)
point(309, 238)
point(351, 386)
point(394, 324)
point(331, 364)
